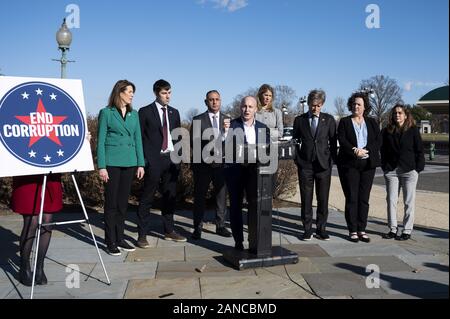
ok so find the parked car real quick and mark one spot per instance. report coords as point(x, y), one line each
point(287, 133)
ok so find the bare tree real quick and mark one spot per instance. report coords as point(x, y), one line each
point(386, 93)
point(341, 107)
point(190, 115)
point(284, 95)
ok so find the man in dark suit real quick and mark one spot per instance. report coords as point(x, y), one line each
point(208, 167)
point(316, 131)
point(157, 121)
point(242, 176)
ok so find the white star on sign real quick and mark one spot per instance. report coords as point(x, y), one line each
point(60, 153)
point(38, 91)
point(53, 96)
point(47, 158)
point(25, 95)
point(32, 154)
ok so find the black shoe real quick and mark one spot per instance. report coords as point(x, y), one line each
point(363, 237)
point(353, 237)
point(40, 279)
point(322, 236)
point(222, 231)
point(239, 246)
point(25, 276)
point(113, 250)
point(307, 236)
point(197, 234)
point(123, 245)
point(390, 235)
point(142, 242)
point(403, 237)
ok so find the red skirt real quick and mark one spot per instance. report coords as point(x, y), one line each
point(26, 194)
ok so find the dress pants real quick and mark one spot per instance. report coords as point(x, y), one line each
point(117, 191)
point(321, 178)
point(396, 180)
point(240, 179)
point(203, 176)
point(164, 176)
point(357, 183)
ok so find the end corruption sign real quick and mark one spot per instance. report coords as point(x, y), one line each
point(43, 127)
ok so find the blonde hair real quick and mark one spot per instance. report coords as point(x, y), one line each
point(262, 90)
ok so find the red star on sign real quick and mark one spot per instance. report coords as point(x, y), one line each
point(41, 110)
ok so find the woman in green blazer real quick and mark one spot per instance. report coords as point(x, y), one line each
point(119, 152)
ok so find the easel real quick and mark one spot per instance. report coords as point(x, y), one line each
point(38, 230)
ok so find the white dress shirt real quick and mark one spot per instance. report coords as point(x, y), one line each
point(250, 133)
point(170, 147)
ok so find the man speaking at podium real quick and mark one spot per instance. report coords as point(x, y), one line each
point(247, 133)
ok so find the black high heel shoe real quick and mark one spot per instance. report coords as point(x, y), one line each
point(41, 279)
point(25, 276)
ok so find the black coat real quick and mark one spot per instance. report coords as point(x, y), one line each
point(347, 141)
point(402, 150)
point(322, 146)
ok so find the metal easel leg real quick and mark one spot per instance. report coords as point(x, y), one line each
point(90, 228)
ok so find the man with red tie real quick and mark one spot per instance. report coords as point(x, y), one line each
point(157, 121)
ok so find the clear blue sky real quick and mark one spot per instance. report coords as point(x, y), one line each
point(230, 45)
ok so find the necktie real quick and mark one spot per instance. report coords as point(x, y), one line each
point(165, 138)
point(215, 126)
point(313, 125)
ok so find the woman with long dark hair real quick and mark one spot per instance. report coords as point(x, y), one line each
point(402, 159)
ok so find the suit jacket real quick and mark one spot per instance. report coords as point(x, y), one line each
point(119, 142)
point(152, 131)
point(402, 150)
point(238, 140)
point(322, 146)
point(347, 141)
point(204, 123)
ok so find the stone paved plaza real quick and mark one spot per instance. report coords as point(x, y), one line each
point(418, 268)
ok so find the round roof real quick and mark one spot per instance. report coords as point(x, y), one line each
point(439, 94)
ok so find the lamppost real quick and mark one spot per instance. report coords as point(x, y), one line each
point(284, 110)
point(302, 103)
point(368, 91)
point(64, 39)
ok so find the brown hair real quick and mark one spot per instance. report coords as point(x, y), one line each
point(263, 89)
point(365, 97)
point(392, 124)
point(119, 87)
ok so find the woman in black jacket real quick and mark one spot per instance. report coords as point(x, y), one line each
point(402, 158)
point(359, 139)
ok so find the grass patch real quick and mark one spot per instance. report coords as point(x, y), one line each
point(435, 137)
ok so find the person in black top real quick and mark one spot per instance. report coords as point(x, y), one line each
point(359, 155)
point(402, 158)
